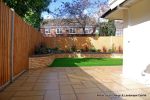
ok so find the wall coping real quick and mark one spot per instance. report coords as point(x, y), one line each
point(92, 53)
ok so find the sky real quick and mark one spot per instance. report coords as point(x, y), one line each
point(55, 5)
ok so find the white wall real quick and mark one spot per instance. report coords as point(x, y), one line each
point(136, 39)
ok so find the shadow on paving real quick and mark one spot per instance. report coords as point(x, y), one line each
point(65, 83)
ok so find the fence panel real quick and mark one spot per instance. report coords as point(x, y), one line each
point(20, 45)
point(35, 39)
point(5, 30)
point(18, 41)
point(65, 43)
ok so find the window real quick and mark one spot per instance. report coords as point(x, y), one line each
point(88, 30)
point(58, 30)
point(72, 30)
point(47, 31)
point(119, 32)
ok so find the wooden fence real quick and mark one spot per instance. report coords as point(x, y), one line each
point(82, 42)
point(5, 27)
point(17, 42)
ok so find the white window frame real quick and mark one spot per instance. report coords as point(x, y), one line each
point(47, 30)
point(72, 30)
point(59, 30)
point(88, 30)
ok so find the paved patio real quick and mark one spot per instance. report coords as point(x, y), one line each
point(84, 83)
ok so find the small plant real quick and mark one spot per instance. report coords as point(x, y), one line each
point(104, 49)
point(82, 50)
point(42, 49)
point(113, 48)
point(60, 51)
point(86, 48)
point(49, 50)
point(98, 50)
point(56, 48)
point(68, 50)
point(73, 48)
point(120, 49)
point(93, 50)
point(110, 50)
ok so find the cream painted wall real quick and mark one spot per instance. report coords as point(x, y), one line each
point(136, 39)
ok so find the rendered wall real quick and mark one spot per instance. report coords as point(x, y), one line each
point(136, 39)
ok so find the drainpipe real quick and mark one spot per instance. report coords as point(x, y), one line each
point(12, 46)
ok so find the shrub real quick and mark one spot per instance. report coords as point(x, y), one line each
point(73, 48)
point(68, 50)
point(110, 50)
point(120, 49)
point(82, 50)
point(86, 48)
point(60, 51)
point(56, 48)
point(104, 49)
point(98, 50)
point(92, 50)
point(42, 49)
point(113, 48)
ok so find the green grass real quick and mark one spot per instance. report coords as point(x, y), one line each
point(79, 62)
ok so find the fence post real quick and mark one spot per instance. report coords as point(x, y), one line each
point(12, 46)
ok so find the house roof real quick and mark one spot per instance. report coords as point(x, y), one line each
point(108, 12)
point(125, 4)
point(65, 22)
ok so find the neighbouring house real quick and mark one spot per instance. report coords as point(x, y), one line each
point(136, 17)
point(119, 27)
point(58, 27)
point(53, 27)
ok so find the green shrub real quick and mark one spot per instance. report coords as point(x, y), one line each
point(56, 48)
point(92, 49)
point(110, 50)
point(73, 48)
point(98, 50)
point(42, 49)
point(82, 50)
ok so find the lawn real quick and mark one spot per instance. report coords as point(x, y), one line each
point(79, 62)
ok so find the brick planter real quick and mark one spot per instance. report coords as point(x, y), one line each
point(40, 61)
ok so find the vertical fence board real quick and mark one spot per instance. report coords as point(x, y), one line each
point(4, 44)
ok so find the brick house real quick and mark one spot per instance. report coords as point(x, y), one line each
point(53, 27)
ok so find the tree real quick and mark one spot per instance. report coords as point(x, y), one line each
point(29, 10)
point(77, 13)
point(107, 28)
point(111, 28)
